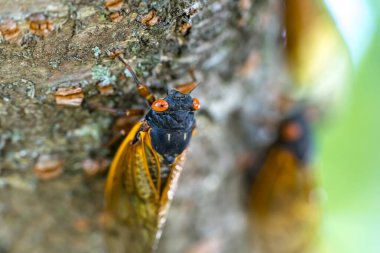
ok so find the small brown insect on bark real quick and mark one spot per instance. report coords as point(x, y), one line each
point(71, 96)
point(184, 28)
point(116, 16)
point(114, 6)
point(10, 31)
point(40, 25)
point(106, 90)
point(93, 167)
point(47, 167)
point(82, 225)
point(150, 19)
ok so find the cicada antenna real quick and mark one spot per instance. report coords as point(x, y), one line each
point(142, 88)
point(131, 71)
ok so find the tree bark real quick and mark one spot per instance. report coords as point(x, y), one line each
point(235, 51)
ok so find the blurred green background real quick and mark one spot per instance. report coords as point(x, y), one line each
point(349, 149)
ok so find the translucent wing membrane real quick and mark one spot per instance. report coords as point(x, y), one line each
point(284, 214)
point(136, 199)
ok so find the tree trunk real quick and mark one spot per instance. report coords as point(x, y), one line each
point(50, 199)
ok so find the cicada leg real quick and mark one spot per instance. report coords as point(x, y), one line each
point(190, 86)
point(142, 88)
point(122, 127)
point(143, 128)
point(123, 124)
point(129, 113)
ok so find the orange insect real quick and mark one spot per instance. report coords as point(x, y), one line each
point(284, 211)
point(10, 31)
point(115, 8)
point(72, 96)
point(47, 167)
point(145, 170)
point(40, 24)
point(150, 19)
point(113, 5)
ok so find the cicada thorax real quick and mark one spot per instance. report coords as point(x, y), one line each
point(171, 121)
point(140, 187)
point(283, 210)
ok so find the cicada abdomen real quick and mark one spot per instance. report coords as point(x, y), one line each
point(145, 170)
point(283, 208)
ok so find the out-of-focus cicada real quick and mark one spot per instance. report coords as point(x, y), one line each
point(146, 167)
point(283, 208)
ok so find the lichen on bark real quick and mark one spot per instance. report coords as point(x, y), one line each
point(231, 45)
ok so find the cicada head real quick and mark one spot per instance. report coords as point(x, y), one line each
point(171, 121)
point(174, 112)
point(295, 135)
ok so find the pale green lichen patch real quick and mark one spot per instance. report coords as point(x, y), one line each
point(97, 52)
point(89, 131)
point(30, 89)
point(17, 182)
point(20, 89)
point(102, 75)
point(54, 63)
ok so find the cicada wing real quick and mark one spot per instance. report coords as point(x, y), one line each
point(284, 215)
point(119, 183)
point(169, 188)
point(171, 183)
point(132, 198)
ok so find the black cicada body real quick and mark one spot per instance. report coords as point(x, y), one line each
point(145, 170)
point(171, 130)
point(284, 211)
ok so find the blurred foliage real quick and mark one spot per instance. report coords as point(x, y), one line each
point(350, 163)
point(317, 55)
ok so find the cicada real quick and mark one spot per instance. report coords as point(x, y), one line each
point(145, 170)
point(283, 208)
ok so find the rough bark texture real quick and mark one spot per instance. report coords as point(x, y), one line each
point(233, 47)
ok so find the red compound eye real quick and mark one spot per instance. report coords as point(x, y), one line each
point(196, 104)
point(291, 131)
point(160, 105)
